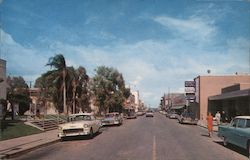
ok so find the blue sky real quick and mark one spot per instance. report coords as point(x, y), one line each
point(156, 44)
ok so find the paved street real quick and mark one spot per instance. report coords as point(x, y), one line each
point(144, 138)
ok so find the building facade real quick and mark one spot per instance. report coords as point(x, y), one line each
point(136, 100)
point(234, 101)
point(206, 86)
point(3, 84)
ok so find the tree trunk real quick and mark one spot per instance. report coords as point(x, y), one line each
point(74, 98)
point(65, 109)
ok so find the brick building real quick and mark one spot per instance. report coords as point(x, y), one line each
point(208, 86)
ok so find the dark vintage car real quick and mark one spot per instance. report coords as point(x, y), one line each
point(187, 118)
point(237, 132)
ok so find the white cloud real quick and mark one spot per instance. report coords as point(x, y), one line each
point(149, 66)
point(193, 28)
point(25, 61)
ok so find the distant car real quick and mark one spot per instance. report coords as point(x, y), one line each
point(237, 132)
point(79, 125)
point(113, 118)
point(149, 114)
point(187, 118)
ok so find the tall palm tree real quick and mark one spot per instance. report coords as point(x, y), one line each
point(58, 63)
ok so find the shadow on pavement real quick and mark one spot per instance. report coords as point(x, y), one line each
point(205, 135)
point(77, 138)
point(233, 148)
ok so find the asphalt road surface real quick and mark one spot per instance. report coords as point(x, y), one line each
point(144, 138)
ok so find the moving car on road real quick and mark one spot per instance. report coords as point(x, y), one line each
point(149, 113)
point(79, 125)
point(237, 132)
point(113, 118)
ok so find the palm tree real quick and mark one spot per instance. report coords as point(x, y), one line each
point(58, 63)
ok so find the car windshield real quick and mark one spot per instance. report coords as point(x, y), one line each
point(80, 118)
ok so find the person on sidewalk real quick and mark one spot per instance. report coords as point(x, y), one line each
point(218, 117)
point(224, 117)
point(9, 111)
point(210, 124)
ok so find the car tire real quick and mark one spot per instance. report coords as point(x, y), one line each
point(181, 121)
point(91, 134)
point(225, 143)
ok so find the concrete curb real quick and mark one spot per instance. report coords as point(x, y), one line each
point(24, 150)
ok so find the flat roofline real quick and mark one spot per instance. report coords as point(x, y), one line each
point(229, 95)
point(224, 75)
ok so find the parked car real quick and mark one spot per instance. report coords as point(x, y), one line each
point(237, 132)
point(140, 113)
point(113, 118)
point(187, 118)
point(79, 125)
point(130, 114)
point(149, 114)
point(173, 115)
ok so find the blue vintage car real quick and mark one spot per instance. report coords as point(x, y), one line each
point(237, 132)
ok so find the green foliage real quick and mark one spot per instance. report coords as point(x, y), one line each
point(76, 82)
point(18, 92)
point(109, 89)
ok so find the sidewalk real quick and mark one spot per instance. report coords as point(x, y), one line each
point(13, 147)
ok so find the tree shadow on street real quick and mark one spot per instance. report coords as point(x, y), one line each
point(233, 148)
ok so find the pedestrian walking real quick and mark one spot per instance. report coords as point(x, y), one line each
point(224, 118)
point(218, 117)
point(210, 124)
point(9, 111)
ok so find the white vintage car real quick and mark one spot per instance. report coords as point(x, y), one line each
point(79, 125)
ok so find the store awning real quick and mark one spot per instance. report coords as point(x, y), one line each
point(229, 95)
point(177, 107)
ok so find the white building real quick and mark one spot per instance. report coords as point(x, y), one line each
point(137, 99)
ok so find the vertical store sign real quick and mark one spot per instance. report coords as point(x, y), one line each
point(190, 90)
point(197, 89)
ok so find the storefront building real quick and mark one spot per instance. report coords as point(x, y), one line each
point(233, 100)
point(208, 86)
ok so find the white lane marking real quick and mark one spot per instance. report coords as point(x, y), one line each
point(154, 150)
